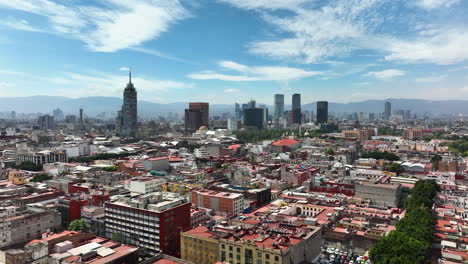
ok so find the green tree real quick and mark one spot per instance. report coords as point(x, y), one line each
point(29, 166)
point(111, 168)
point(78, 225)
point(40, 178)
point(330, 151)
point(435, 161)
point(381, 155)
point(394, 167)
point(118, 237)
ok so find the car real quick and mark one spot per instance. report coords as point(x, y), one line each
point(337, 251)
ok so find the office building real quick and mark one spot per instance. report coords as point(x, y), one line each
point(238, 111)
point(387, 110)
point(129, 110)
point(46, 122)
point(196, 116)
point(322, 112)
point(296, 112)
point(153, 221)
point(413, 134)
point(253, 118)
point(279, 107)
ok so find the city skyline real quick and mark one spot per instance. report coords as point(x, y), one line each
point(177, 54)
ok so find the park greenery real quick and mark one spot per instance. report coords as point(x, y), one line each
point(394, 167)
point(459, 146)
point(380, 155)
point(412, 239)
point(111, 168)
point(40, 178)
point(388, 131)
point(102, 156)
point(29, 166)
point(78, 225)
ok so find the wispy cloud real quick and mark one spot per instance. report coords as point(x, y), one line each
point(18, 24)
point(431, 79)
point(254, 73)
point(112, 26)
point(124, 69)
point(7, 85)
point(433, 4)
point(386, 75)
point(161, 55)
point(231, 91)
point(315, 32)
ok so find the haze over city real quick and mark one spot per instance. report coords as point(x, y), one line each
point(217, 51)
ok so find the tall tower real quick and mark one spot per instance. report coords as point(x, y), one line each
point(296, 112)
point(322, 112)
point(279, 107)
point(129, 109)
point(388, 110)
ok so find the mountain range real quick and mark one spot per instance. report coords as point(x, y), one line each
point(110, 105)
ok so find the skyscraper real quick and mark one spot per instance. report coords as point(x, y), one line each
point(129, 110)
point(238, 111)
point(322, 112)
point(196, 116)
point(296, 112)
point(388, 110)
point(279, 107)
point(253, 118)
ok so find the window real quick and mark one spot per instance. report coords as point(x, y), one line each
point(238, 250)
point(230, 248)
point(267, 256)
point(276, 258)
point(222, 246)
point(230, 255)
point(259, 254)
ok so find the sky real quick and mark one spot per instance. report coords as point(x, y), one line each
point(226, 51)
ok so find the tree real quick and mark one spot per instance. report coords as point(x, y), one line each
point(435, 162)
point(111, 168)
point(118, 237)
point(29, 166)
point(398, 247)
point(381, 155)
point(40, 178)
point(394, 167)
point(330, 151)
point(78, 225)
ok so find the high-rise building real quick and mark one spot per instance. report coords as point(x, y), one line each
point(196, 116)
point(58, 114)
point(128, 116)
point(253, 118)
point(296, 112)
point(322, 112)
point(279, 107)
point(153, 221)
point(238, 111)
point(387, 110)
point(46, 122)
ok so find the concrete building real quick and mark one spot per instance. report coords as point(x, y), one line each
point(222, 203)
point(46, 122)
point(157, 164)
point(359, 134)
point(296, 112)
point(146, 185)
point(153, 221)
point(387, 111)
point(253, 118)
point(42, 157)
point(381, 195)
point(413, 134)
point(196, 116)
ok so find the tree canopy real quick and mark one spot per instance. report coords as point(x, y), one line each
point(413, 236)
point(78, 225)
point(40, 177)
point(381, 155)
point(29, 166)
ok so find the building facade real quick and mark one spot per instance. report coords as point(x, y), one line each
point(322, 112)
point(129, 110)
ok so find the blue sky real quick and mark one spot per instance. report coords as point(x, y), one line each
point(223, 51)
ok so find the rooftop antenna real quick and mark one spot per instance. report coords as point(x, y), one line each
point(130, 75)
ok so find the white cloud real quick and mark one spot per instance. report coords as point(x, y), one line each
point(433, 4)
point(254, 73)
point(231, 91)
point(7, 85)
point(124, 69)
point(316, 31)
point(114, 25)
point(104, 84)
point(441, 47)
point(22, 24)
point(431, 79)
point(160, 54)
point(464, 89)
point(386, 74)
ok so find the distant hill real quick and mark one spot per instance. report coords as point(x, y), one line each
point(110, 105)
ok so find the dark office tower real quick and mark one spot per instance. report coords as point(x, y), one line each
point(196, 116)
point(252, 104)
point(387, 111)
point(238, 111)
point(279, 107)
point(253, 118)
point(81, 117)
point(129, 110)
point(371, 116)
point(407, 115)
point(296, 112)
point(322, 112)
